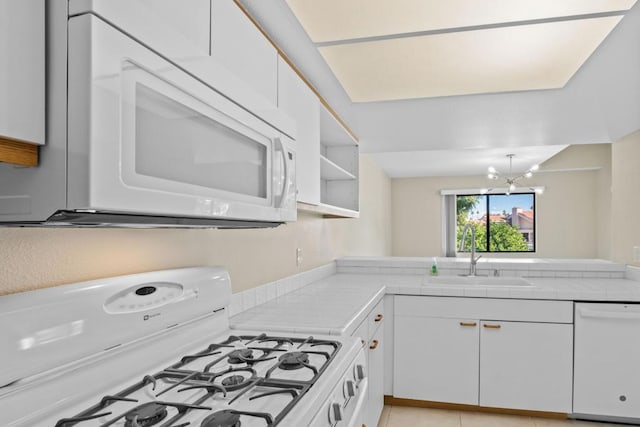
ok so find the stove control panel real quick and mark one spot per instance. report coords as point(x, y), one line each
point(143, 297)
point(344, 407)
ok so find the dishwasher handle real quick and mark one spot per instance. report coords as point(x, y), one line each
point(608, 314)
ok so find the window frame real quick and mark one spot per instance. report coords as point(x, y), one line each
point(488, 228)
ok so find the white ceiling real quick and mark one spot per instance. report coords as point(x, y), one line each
point(524, 57)
point(407, 164)
point(599, 104)
point(332, 20)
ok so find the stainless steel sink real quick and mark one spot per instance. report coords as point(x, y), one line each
point(476, 281)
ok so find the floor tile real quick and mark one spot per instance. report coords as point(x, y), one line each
point(549, 422)
point(384, 417)
point(477, 419)
point(400, 416)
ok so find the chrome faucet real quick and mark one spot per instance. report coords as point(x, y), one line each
point(474, 260)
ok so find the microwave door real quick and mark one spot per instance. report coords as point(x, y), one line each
point(177, 142)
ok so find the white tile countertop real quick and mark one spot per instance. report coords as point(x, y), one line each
point(338, 303)
point(335, 306)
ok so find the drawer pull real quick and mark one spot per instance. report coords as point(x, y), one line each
point(374, 345)
point(490, 326)
point(468, 324)
point(378, 318)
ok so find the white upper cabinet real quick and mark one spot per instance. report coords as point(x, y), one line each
point(22, 72)
point(297, 100)
point(240, 46)
point(179, 29)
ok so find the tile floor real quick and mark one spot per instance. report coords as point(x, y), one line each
point(402, 416)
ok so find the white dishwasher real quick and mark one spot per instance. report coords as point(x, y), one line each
point(607, 360)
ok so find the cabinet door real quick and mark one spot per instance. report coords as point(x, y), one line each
point(526, 365)
point(237, 44)
point(297, 100)
point(376, 378)
point(22, 73)
point(436, 359)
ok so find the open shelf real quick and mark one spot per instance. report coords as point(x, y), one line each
point(332, 172)
point(328, 211)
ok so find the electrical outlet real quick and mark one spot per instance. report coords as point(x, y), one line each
point(298, 257)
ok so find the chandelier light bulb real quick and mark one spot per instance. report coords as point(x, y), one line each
point(511, 179)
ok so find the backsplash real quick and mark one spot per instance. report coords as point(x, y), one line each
point(546, 268)
point(259, 295)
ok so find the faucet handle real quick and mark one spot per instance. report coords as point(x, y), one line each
point(477, 258)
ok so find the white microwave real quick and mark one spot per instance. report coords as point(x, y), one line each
point(150, 143)
point(161, 141)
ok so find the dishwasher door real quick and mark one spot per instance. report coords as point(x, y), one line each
point(607, 360)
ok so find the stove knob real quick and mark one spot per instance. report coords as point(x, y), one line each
point(358, 373)
point(349, 389)
point(335, 413)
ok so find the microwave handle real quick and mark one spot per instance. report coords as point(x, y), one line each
point(287, 172)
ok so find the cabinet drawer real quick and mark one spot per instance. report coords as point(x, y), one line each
point(485, 308)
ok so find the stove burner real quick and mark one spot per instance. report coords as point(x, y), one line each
point(226, 418)
point(145, 415)
point(294, 360)
point(240, 356)
point(233, 380)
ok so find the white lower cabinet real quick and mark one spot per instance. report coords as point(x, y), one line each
point(526, 365)
point(436, 359)
point(445, 352)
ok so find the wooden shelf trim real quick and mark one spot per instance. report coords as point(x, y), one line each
point(18, 153)
point(299, 73)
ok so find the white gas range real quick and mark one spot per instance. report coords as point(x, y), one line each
point(155, 349)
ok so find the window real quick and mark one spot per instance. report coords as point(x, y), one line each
point(502, 223)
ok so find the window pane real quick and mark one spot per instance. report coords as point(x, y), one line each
point(511, 223)
point(471, 210)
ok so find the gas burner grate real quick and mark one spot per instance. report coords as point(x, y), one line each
point(239, 382)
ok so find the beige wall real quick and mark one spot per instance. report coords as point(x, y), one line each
point(625, 200)
point(576, 182)
point(32, 258)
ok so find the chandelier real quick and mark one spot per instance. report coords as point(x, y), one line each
point(510, 179)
